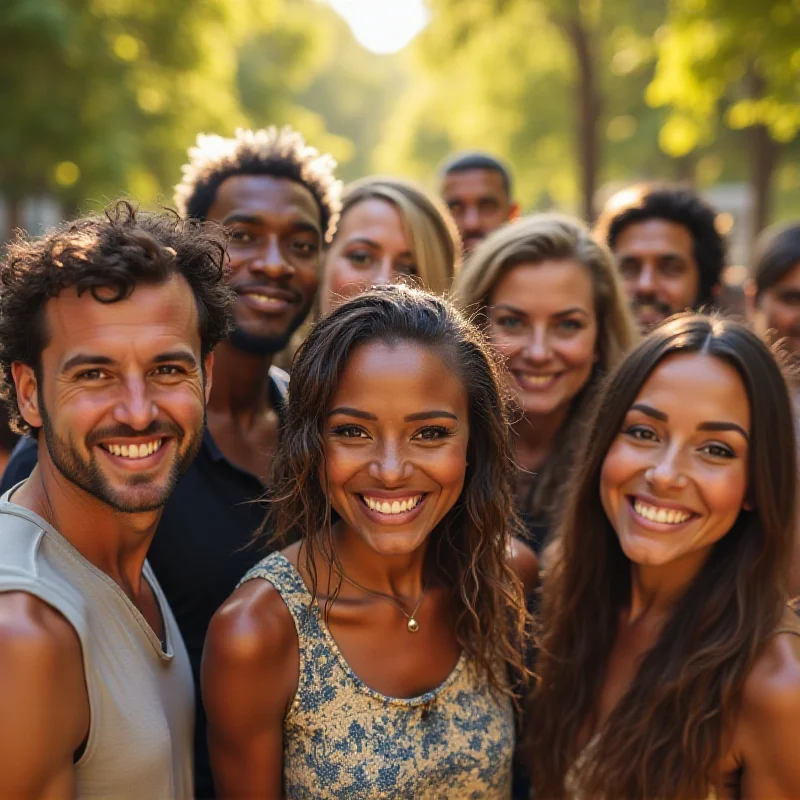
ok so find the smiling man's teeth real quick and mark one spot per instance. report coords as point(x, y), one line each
point(395, 507)
point(133, 450)
point(264, 300)
point(669, 516)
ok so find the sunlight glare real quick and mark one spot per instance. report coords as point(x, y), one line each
point(383, 26)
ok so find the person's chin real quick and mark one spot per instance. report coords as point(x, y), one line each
point(538, 405)
point(262, 341)
point(141, 499)
point(394, 543)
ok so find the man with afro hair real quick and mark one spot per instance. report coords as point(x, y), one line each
point(278, 202)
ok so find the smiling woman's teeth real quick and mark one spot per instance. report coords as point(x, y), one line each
point(134, 450)
point(655, 514)
point(535, 380)
point(395, 507)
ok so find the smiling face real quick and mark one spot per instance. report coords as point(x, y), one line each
point(658, 268)
point(543, 322)
point(396, 445)
point(675, 479)
point(370, 249)
point(122, 394)
point(274, 249)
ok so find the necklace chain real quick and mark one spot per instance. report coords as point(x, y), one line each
point(413, 625)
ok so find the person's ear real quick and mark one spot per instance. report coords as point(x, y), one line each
point(208, 367)
point(513, 212)
point(27, 393)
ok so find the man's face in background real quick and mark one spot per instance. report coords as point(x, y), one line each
point(479, 202)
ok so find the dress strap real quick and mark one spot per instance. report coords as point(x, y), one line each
point(281, 573)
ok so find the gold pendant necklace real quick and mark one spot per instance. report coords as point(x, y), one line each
point(412, 624)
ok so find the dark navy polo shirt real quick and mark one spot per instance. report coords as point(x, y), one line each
point(201, 549)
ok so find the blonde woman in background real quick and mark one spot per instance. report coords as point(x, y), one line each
point(555, 310)
point(389, 228)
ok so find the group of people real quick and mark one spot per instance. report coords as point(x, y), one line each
point(518, 526)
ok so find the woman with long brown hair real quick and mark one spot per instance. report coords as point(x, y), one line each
point(555, 311)
point(670, 661)
point(374, 657)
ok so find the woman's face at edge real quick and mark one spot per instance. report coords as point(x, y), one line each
point(676, 476)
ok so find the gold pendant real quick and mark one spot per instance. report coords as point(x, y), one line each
point(413, 625)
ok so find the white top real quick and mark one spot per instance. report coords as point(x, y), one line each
point(141, 696)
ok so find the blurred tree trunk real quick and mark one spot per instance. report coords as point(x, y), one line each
point(763, 150)
point(589, 107)
point(763, 160)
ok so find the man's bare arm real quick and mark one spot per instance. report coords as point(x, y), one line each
point(45, 706)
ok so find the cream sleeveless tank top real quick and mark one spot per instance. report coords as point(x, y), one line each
point(141, 694)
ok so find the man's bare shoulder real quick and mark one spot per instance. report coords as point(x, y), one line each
point(32, 629)
point(43, 696)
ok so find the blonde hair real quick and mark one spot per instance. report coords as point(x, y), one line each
point(552, 237)
point(532, 240)
point(432, 234)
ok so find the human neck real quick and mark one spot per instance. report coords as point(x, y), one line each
point(114, 542)
point(535, 435)
point(240, 388)
point(657, 590)
point(400, 576)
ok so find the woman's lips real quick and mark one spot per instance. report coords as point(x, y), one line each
point(535, 382)
point(373, 507)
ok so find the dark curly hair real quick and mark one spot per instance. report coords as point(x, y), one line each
point(112, 252)
point(777, 252)
point(468, 548)
point(278, 152)
point(676, 204)
point(665, 736)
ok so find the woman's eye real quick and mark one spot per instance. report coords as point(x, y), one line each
point(360, 258)
point(641, 433)
point(349, 432)
point(431, 433)
point(570, 325)
point(718, 451)
point(509, 323)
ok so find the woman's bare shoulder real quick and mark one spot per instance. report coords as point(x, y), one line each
point(252, 627)
point(774, 680)
point(524, 562)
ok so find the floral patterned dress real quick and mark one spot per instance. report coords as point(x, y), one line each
point(345, 740)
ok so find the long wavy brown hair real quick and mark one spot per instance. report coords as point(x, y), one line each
point(534, 240)
point(467, 550)
point(666, 736)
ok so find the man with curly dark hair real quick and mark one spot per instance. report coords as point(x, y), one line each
point(669, 251)
point(278, 200)
point(107, 327)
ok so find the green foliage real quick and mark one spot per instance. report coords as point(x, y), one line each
point(732, 60)
point(104, 95)
point(501, 75)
